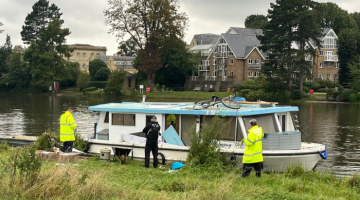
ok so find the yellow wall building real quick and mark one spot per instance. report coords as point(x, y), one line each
point(84, 53)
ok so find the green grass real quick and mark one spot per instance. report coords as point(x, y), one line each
point(94, 179)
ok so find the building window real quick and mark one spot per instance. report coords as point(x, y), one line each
point(205, 85)
point(210, 86)
point(321, 76)
point(257, 61)
point(256, 74)
point(78, 55)
point(214, 73)
point(214, 62)
point(321, 65)
point(231, 73)
point(92, 54)
point(250, 74)
point(321, 53)
point(231, 61)
point(84, 55)
point(123, 119)
point(336, 65)
point(250, 61)
point(329, 64)
point(328, 76)
point(129, 82)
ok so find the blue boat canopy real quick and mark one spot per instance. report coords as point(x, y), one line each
point(186, 108)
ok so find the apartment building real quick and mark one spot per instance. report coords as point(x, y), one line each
point(84, 53)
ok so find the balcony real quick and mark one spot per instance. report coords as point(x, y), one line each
point(254, 66)
point(207, 78)
point(205, 54)
point(331, 58)
point(224, 78)
point(221, 54)
point(194, 78)
point(213, 78)
point(204, 68)
point(222, 67)
point(308, 58)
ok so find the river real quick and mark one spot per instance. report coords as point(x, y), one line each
point(336, 125)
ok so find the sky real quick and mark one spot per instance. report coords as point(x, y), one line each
point(85, 18)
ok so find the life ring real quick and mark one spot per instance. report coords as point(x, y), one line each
point(162, 158)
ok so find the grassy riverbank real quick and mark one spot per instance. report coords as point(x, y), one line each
point(94, 179)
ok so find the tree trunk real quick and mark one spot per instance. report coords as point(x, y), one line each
point(150, 79)
point(301, 80)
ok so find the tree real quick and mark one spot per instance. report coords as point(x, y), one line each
point(1, 25)
point(356, 17)
point(148, 23)
point(128, 48)
point(45, 55)
point(347, 48)
point(69, 74)
point(40, 16)
point(256, 21)
point(94, 66)
point(102, 74)
point(83, 80)
point(354, 68)
point(290, 22)
point(5, 51)
point(18, 75)
point(330, 15)
point(115, 82)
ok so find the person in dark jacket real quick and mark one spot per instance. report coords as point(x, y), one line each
point(152, 132)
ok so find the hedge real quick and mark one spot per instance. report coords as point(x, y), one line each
point(98, 84)
point(345, 94)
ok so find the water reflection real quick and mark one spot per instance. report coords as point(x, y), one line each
point(336, 125)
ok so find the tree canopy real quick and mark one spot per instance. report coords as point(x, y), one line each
point(45, 55)
point(256, 21)
point(1, 25)
point(128, 48)
point(115, 82)
point(94, 66)
point(290, 22)
point(41, 16)
point(148, 23)
point(5, 51)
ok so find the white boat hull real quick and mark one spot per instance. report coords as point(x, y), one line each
point(274, 161)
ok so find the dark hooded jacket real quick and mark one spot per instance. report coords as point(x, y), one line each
point(152, 132)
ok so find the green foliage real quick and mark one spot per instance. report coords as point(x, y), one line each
point(326, 83)
point(354, 67)
point(69, 75)
point(262, 95)
point(353, 98)
point(243, 92)
point(4, 146)
point(325, 90)
point(94, 66)
point(80, 143)
point(98, 84)
point(345, 94)
point(306, 89)
point(48, 140)
point(256, 21)
point(354, 182)
point(83, 80)
point(45, 55)
point(128, 48)
point(18, 72)
point(204, 152)
point(40, 17)
point(115, 82)
point(102, 74)
point(89, 89)
point(296, 94)
point(249, 84)
point(5, 51)
point(295, 171)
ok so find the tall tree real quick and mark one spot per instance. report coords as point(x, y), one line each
point(332, 16)
point(354, 68)
point(1, 25)
point(291, 22)
point(256, 21)
point(148, 23)
point(348, 50)
point(128, 48)
point(356, 17)
point(5, 51)
point(18, 75)
point(40, 16)
point(46, 55)
point(94, 66)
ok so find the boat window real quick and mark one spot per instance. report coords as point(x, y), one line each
point(187, 127)
point(106, 117)
point(267, 122)
point(172, 120)
point(228, 133)
point(123, 119)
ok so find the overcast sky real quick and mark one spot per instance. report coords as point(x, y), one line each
point(85, 18)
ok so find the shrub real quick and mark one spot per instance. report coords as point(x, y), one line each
point(102, 74)
point(83, 80)
point(4, 146)
point(345, 94)
point(204, 152)
point(248, 84)
point(296, 94)
point(353, 98)
point(89, 89)
point(80, 143)
point(326, 90)
point(244, 92)
point(294, 86)
point(325, 83)
point(48, 140)
point(98, 84)
point(95, 65)
point(115, 82)
point(306, 89)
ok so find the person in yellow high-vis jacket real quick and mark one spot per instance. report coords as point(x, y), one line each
point(67, 130)
point(253, 157)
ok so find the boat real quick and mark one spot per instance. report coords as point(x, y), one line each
point(119, 128)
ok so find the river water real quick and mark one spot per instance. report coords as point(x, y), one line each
point(336, 125)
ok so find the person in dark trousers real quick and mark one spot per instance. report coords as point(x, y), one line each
point(253, 157)
point(152, 132)
point(67, 130)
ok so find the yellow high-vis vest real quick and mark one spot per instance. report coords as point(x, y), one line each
point(253, 149)
point(67, 127)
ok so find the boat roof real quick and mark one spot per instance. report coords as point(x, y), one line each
point(186, 108)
